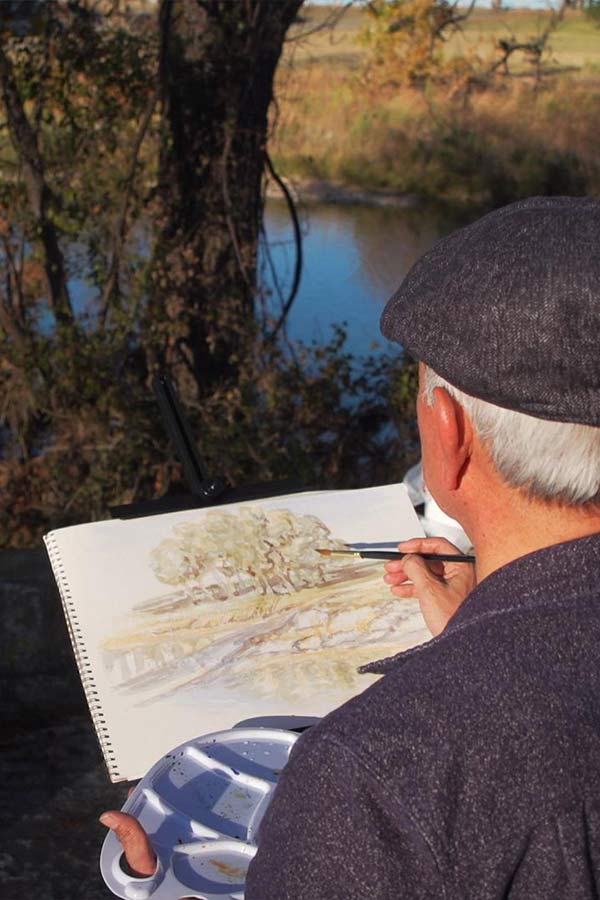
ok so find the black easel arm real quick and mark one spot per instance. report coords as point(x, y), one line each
point(180, 433)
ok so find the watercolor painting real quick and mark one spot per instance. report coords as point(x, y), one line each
point(251, 609)
point(189, 622)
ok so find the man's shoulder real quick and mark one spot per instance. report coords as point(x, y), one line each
point(420, 683)
point(427, 680)
point(502, 692)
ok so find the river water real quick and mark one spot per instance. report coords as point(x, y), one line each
point(354, 258)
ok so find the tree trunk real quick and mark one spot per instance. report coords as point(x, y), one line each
point(218, 62)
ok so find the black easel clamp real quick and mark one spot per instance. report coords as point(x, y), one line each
point(204, 488)
point(180, 433)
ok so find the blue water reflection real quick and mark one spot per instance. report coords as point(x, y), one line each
point(354, 258)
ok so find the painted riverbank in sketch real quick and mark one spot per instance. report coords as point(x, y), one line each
point(251, 609)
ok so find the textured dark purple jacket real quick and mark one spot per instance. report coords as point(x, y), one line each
point(471, 770)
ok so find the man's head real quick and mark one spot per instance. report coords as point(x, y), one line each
point(556, 462)
point(504, 316)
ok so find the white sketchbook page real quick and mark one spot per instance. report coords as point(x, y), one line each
point(171, 661)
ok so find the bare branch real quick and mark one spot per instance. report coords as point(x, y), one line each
point(112, 282)
point(24, 141)
point(17, 303)
point(330, 21)
point(533, 49)
point(298, 239)
point(228, 206)
point(454, 19)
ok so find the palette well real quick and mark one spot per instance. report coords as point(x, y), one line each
point(201, 805)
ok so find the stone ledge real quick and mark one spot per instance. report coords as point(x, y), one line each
point(38, 674)
point(54, 783)
point(34, 638)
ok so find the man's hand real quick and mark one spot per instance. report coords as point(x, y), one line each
point(440, 587)
point(139, 854)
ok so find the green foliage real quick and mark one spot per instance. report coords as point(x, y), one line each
point(317, 415)
point(506, 143)
point(472, 166)
point(79, 428)
point(592, 12)
point(406, 39)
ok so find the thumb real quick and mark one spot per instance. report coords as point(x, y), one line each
point(138, 850)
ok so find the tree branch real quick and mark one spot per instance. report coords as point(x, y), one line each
point(298, 239)
point(24, 141)
point(532, 48)
point(330, 21)
point(14, 277)
point(112, 282)
point(11, 326)
point(228, 205)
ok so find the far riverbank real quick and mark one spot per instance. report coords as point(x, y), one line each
point(318, 190)
point(348, 139)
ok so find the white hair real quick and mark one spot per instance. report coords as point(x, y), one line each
point(551, 461)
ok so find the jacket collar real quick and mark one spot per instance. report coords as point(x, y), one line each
point(560, 573)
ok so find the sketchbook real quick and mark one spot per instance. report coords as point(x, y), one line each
point(188, 622)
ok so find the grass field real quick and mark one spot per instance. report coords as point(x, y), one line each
point(513, 139)
point(576, 43)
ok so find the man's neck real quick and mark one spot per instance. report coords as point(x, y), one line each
point(512, 526)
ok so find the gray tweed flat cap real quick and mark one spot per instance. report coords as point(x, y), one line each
point(508, 309)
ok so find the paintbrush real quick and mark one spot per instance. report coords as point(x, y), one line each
point(395, 554)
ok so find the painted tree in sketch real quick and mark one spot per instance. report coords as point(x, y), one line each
point(254, 551)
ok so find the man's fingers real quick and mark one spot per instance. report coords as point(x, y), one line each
point(440, 587)
point(395, 574)
point(394, 566)
point(415, 580)
point(138, 850)
point(406, 591)
point(417, 570)
point(428, 545)
point(411, 544)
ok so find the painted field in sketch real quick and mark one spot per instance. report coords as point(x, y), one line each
point(253, 609)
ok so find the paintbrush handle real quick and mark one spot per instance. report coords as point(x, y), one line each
point(440, 557)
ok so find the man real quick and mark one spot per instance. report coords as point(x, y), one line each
point(471, 769)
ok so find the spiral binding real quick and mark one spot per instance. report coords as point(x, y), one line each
point(86, 673)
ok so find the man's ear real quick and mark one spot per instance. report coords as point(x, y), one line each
point(455, 435)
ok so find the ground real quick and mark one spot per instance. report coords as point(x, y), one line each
point(54, 787)
point(54, 784)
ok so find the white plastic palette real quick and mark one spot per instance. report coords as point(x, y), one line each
point(201, 805)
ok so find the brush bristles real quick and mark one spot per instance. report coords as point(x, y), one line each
point(338, 552)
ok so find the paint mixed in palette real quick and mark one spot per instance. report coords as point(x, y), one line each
point(201, 806)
